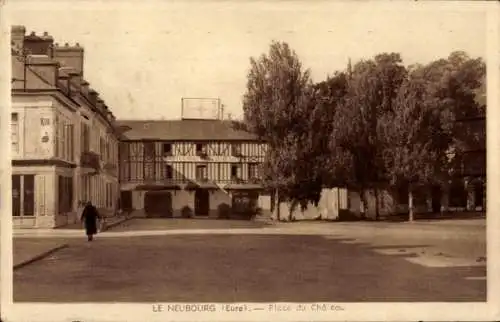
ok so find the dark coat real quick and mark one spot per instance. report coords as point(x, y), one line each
point(90, 217)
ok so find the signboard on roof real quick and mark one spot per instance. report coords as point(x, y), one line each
point(201, 108)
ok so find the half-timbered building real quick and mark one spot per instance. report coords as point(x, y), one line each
point(171, 166)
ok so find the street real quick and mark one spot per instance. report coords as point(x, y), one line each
point(299, 262)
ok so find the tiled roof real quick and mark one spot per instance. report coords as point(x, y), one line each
point(183, 130)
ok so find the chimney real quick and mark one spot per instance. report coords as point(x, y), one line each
point(45, 68)
point(17, 34)
point(39, 45)
point(71, 56)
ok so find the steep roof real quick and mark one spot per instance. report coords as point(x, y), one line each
point(183, 130)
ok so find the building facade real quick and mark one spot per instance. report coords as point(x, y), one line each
point(64, 142)
point(172, 167)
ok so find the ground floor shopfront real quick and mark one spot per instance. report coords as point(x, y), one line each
point(48, 196)
point(200, 202)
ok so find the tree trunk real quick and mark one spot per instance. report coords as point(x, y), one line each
point(364, 203)
point(277, 204)
point(377, 213)
point(410, 205)
point(338, 202)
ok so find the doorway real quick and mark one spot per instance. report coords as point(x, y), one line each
point(126, 200)
point(158, 204)
point(201, 202)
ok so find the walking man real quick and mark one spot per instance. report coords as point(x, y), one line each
point(90, 217)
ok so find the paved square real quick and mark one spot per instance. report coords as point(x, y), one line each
point(238, 268)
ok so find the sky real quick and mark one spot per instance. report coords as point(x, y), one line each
point(144, 56)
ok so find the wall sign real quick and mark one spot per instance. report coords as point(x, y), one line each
point(46, 133)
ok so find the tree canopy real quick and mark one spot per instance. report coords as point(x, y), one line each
point(377, 121)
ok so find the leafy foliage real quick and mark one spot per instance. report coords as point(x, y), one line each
point(376, 122)
point(420, 133)
point(276, 107)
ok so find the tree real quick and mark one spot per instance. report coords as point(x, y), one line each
point(422, 139)
point(372, 86)
point(414, 139)
point(275, 106)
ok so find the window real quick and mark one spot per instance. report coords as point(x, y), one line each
point(201, 172)
point(124, 151)
point(14, 124)
point(65, 194)
point(102, 149)
point(23, 195)
point(85, 137)
point(71, 141)
point(85, 188)
point(201, 149)
point(16, 195)
point(109, 195)
point(167, 149)
point(149, 150)
point(169, 173)
point(149, 161)
point(235, 171)
point(61, 139)
point(108, 152)
point(253, 171)
point(29, 195)
point(236, 149)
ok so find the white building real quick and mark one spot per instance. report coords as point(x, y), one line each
point(64, 145)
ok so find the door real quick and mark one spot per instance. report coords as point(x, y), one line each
point(126, 200)
point(158, 204)
point(201, 202)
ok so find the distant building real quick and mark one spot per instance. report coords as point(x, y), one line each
point(64, 143)
point(191, 164)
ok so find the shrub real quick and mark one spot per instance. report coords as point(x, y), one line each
point(224, 211)
point(186, 212)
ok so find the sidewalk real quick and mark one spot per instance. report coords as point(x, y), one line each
point(27, 251)
point(110, 221)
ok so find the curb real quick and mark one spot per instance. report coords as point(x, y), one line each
point(115, 224)
point(40, 256)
